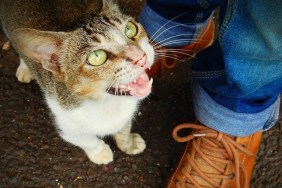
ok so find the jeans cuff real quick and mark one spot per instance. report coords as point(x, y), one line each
point(222, 119)
point(168, 32)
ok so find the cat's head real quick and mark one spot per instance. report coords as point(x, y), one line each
point(107, 54)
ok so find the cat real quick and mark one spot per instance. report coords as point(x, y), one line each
point(90, 61)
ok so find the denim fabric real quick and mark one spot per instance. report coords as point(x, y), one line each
point(222, 119)
point(196, 11)
point(179, 30)
point(240, 75)
point(250, 53)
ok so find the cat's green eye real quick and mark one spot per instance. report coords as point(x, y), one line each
point(130, 30)
point(97, 57)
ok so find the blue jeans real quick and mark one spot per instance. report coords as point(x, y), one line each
point(236, 81)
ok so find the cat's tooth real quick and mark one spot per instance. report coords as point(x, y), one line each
point(149, 84)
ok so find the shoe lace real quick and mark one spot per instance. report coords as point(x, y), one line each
point(214, 141)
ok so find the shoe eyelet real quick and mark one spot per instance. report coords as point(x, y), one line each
point(232, 176)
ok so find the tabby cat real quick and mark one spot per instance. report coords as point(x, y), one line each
point(89, 60)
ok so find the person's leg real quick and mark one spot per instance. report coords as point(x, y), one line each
point(179, 29)
point(183, 20)
point(236, 86)
point(239, 77)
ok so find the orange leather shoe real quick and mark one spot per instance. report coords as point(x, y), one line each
point(171, 55)
point(214, 160)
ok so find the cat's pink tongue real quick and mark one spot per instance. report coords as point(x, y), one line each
point(142, 86)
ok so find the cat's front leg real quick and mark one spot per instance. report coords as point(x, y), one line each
point(130, 143)
point(101, 155)
point(96, 149)
point(23, 73)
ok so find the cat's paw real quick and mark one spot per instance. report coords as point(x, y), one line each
point(23, 73)
point(6, 45)
point(133, 146)
point(104, 156)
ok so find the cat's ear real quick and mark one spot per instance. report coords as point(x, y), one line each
point(40, 46)
point(111, 7)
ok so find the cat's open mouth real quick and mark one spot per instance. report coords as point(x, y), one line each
point(141, 87)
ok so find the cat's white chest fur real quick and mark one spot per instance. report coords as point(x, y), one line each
point(83, 125)
point(102, 117)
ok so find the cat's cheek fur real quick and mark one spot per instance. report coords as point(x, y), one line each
point(87, 89)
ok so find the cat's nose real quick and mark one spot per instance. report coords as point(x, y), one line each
point(135, 55)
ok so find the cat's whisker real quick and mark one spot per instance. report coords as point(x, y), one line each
point(160, 52)
point(179, 52)
point(109, 87)
point(164, 58)
point(176, 42)
point(124, 7)
point(153, 36)
point(172, 50)
point(158, 45)
point(175, 50)
point(172, 28)
point(171, 57)
point(175, 36)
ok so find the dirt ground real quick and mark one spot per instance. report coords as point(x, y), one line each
point(33, 155)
